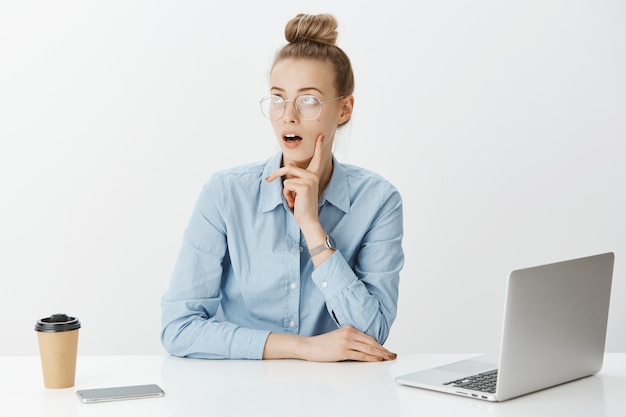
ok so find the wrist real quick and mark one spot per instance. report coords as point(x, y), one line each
point(328, 243)
point(314, 235)
point(283, 346)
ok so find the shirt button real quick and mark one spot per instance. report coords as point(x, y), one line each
point(293, 286)
point(292, 323)
point(324, 284)
point(301, 249)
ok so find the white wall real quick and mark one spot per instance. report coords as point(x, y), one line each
point(502, 124)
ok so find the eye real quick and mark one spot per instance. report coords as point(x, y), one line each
point(276, 100)
point(308, 100)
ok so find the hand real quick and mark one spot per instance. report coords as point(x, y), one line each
point(346, 343)
point(342, 344)
point(301, 186)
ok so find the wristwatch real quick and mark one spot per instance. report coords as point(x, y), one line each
point(328, 244)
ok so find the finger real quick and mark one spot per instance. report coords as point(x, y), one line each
point(355, 355)
point(290, 196)
point(369, 345)
point(369, 353)
point(289, 191)
point(291, 169)
point(316, 161)
point(374, 350)
point(276, 174)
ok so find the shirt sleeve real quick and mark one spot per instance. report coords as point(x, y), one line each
point(190, 308)
point(365, 296)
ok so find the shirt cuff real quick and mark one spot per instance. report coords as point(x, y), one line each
point(248, 343)
point(332, 276)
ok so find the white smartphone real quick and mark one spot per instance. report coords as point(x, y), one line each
point(97, 395)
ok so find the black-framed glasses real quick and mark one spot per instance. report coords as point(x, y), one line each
point(308, 107)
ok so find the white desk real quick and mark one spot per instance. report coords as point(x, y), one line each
point(289, 388)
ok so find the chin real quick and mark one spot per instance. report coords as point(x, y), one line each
point(299, 157)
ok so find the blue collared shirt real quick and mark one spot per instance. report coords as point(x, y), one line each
point(244, 270)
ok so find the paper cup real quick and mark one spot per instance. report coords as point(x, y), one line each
point(58, 347)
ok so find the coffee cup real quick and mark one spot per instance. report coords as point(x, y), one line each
point(58, 346)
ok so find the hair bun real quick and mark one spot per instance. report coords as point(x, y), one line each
point(321, 28)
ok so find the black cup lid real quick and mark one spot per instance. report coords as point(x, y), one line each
point(57, 323)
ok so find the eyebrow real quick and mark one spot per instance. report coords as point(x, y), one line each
point(300, 90)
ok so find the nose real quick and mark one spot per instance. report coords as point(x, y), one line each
point(291, 113)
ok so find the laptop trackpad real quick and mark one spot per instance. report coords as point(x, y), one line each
point(468, 367)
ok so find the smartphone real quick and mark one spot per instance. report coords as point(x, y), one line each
point(97, 395)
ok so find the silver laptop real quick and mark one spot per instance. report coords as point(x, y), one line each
point(554, 331)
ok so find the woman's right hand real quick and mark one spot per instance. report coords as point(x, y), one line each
point(342, 344)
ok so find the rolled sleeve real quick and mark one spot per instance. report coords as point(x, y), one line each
point(365, 295)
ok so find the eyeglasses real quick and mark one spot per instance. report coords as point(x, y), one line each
point(308, 107)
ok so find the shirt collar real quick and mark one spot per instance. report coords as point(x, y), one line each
point(336, 192)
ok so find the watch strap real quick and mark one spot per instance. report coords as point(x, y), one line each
point(321, 248)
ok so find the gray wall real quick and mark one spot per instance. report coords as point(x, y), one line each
point(502, 124)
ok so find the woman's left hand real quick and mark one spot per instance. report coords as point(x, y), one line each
point(301, 186)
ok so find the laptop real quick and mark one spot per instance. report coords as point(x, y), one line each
point(554, 331)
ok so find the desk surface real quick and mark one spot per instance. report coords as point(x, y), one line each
point(290, 388)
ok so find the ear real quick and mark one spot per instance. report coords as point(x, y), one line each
point(347, 104)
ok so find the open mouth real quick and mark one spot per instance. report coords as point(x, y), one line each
point(291, 138)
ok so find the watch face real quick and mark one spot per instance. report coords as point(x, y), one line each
point(331, 242)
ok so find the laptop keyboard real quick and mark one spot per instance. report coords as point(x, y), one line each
point(484, 382)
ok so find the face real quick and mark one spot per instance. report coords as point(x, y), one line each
point(291, 78)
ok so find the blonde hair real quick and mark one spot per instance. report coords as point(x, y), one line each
point(315, 37)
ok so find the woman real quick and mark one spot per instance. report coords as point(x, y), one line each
point(298, 256)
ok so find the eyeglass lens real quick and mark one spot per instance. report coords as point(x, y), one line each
point(309, 107)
